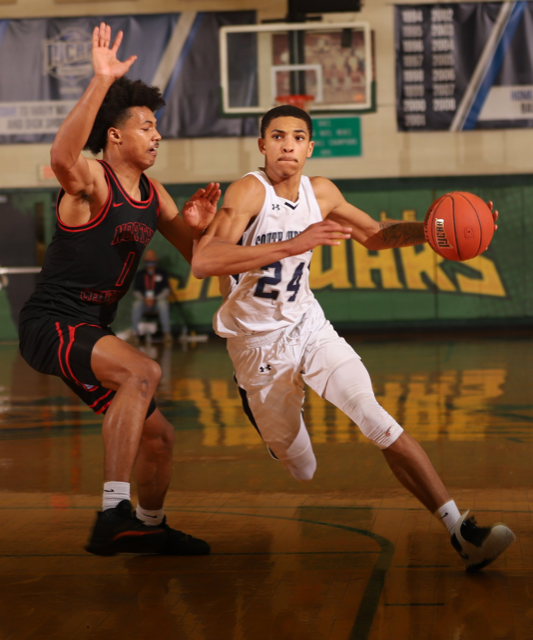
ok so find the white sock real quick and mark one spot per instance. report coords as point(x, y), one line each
point(448, 514)
point(151, 518)
point(114, 492)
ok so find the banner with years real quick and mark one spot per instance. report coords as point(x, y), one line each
point(464, 66)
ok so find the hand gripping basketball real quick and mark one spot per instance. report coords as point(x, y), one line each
point(459, 226)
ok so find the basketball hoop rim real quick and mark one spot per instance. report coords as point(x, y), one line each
point(302, 101)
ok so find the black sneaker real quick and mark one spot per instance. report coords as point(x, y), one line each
point(177, 543)
point(118, 531)
point(479, 546)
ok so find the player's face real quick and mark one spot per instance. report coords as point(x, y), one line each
point(286, 146)
point(140, 138)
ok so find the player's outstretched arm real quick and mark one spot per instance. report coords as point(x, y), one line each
point(74, 172)
point(218, 254)
point(371, 234)
point(197, 213)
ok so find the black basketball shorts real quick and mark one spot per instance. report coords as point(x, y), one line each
point(62, 347)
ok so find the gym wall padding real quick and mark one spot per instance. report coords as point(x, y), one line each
point(360, 289)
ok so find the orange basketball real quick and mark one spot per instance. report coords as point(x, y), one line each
point(459, 226)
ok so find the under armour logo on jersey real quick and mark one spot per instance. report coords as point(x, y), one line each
point(276, 207)
point(265, 367)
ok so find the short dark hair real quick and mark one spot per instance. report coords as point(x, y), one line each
point(283, 111)
point(122, 95)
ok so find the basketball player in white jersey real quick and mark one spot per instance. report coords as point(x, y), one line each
point(260, 244)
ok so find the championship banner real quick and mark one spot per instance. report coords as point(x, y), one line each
point(45, 66)
point(464, 66)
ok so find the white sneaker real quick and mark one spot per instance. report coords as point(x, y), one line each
point(479, 546)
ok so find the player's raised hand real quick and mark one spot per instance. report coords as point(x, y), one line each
point(105, 62)
point(327, 232)
point(200, 209)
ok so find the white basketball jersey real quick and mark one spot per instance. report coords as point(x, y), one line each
point(277, 295)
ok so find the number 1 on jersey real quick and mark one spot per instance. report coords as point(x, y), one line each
point(125, 269)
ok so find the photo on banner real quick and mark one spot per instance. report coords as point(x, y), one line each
point(47, 67)
point(464, 66)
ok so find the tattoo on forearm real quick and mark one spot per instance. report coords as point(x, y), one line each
point(401, 234)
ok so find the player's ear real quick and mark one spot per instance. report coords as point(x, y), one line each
point(310, 149)
point(261, 145)
point(114, 135)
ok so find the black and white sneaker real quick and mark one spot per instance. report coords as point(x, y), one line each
point(118, 531)
point(479, 546)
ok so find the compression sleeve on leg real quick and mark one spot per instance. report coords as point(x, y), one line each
point(350, 389)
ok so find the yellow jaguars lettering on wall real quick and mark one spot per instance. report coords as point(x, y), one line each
point(193, 288)
point(352, 266)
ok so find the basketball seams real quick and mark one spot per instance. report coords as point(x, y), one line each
point(464, 226)
point(460, 193)
point(457, 247)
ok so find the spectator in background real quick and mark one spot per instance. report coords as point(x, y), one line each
point(151, 289)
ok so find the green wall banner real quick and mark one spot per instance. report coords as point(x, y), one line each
point(412, 286)
point(362, 289)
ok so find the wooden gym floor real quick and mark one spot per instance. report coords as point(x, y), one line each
point(349, 556)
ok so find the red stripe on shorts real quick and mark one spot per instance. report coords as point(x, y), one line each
point(104, 407)
point(72, 340)
point(60, 347)
point(100, 399)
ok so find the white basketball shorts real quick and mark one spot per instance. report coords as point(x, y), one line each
point(271, 370)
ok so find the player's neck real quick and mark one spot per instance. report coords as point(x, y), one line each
point(128, 174)
point(286, 187)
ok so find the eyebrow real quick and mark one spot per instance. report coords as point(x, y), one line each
point(150, 122)
point(294, 131)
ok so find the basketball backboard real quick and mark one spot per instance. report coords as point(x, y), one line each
point(331, 61)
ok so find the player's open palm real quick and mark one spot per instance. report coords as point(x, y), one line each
point(105, 62)
point(200, 209)
point(327, 232)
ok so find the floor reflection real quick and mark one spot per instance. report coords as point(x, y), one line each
point(349, 555)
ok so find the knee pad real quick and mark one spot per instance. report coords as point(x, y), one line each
point(372, 419)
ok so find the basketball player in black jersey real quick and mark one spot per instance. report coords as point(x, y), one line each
point(107, 212)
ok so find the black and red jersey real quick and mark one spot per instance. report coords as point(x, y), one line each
point(89, 268)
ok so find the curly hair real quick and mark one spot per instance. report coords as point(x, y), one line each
point(283, 111)
point(123, 94)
